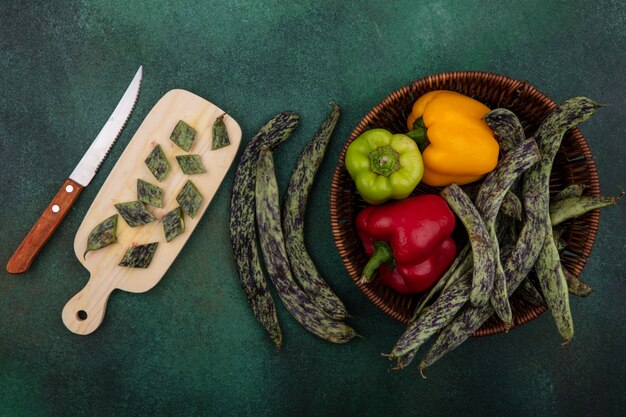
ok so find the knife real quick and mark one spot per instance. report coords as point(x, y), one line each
point(79, 178)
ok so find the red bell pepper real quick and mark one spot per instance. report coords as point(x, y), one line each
point(408, 241)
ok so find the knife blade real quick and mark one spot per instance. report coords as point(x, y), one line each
point(80, 177)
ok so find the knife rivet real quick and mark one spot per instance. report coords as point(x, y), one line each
point(69, 188)
point(55, 208)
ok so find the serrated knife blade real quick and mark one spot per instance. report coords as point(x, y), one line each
point(82, 175)
point(91, 160)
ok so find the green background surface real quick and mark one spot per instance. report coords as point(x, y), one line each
point(191, 346)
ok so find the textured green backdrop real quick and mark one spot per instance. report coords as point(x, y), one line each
point(190, 346)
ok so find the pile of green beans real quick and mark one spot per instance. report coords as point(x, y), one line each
point(511, 229)
point(255, 212)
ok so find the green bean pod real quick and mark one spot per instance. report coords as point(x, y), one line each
point(466, 264)
point(570, 207)
point(272, 243)
point(484, 266)
point(574, 190)
point(507, 233)
point(498, 181)
point(557, 235)
point(294, 208)
point(576, 286)
point(554, 287)
point(488, 202)
point(242, 231)
point(548, 268)
point(507, 128)
point(511, 206)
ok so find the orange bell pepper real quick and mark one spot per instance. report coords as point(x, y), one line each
point(457, 145)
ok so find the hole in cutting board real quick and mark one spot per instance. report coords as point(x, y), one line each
point(81, 315)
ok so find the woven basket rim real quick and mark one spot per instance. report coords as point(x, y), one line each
point(590, 220)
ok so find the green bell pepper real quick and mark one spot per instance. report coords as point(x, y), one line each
point(384, 166)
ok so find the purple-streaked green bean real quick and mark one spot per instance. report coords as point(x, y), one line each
point(488, 202)
point(242, 230)
point(272, 242)
point(484, 265)
point(576, 286)
point(511, 206)
point(548, 268)
point(554, 287)
point(507, 128)
point(294, 208)
point(570, 207)
point(574, 190)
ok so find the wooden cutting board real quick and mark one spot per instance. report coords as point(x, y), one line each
point(85, 311)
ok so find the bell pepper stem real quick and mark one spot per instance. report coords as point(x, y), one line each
point(382, 254)
point(384, 161)
point(418, 134)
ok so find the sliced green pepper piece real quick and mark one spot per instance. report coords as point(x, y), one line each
point(149, 193)
point(183, 135)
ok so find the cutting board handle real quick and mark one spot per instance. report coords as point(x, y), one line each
point(84, 312)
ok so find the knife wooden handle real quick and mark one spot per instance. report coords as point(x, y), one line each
point(44, 228)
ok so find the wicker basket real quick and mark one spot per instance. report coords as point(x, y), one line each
point(573, 164)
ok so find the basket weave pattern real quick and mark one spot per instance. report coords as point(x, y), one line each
point(573, 164)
